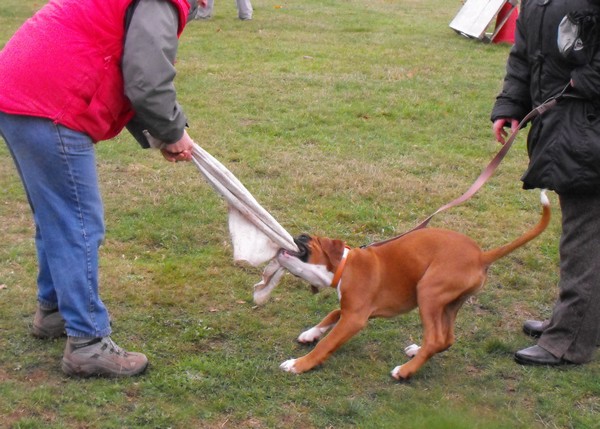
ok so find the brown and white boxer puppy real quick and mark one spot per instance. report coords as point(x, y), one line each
point(433, 269)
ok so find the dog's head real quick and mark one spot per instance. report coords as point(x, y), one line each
point(315, 261)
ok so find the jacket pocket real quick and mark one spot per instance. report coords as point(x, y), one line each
point(582, 149)
point(107, 110)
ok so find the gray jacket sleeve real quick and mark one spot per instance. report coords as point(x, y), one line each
point(148, 71)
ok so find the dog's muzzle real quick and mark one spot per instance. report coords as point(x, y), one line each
point(303, 249)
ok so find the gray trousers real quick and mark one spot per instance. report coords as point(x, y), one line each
point(575, 323)
point(244, 8)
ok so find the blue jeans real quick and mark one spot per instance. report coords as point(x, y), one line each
point(58, 169)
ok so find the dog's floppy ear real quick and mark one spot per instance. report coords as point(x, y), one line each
point(333, 250)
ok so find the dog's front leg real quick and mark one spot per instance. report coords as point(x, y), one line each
point(313, 334)
point(347, 326)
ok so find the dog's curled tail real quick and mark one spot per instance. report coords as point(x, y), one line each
point(493, 255)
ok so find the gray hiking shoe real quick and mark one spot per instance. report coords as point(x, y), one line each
point(48, 324)
point(101, 357)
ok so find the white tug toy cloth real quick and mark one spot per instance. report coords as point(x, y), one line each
point(255, 235)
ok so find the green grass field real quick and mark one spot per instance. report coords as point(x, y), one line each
point(349, 119)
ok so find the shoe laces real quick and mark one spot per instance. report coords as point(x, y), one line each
point(108, 343)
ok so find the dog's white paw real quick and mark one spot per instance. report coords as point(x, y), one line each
point(289, 366)
point(311, 335)
point(411, 351)
point(396, 372)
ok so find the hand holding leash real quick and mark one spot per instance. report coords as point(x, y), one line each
point(499, 131)
point(491, 167)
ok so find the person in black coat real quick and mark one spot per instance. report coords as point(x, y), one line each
point(556, 51)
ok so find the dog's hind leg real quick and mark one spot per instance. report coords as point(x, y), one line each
point(450, 313)
point(412, 350)
point(435, 338)
point(313, 334)
point(449, 320)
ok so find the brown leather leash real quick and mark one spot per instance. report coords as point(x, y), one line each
point(489, 169)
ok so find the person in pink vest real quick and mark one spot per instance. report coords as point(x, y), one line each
point(76, 73)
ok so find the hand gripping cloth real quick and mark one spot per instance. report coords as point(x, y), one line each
point(255, 235)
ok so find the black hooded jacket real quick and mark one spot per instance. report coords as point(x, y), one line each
point(563, 143)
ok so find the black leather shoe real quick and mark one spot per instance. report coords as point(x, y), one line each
point(537, 355)
point(535, 328)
